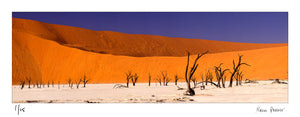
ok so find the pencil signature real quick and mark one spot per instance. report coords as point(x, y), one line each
point(19, 109)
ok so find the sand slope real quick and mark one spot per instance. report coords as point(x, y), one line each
point(44, 58)
point(127, 44)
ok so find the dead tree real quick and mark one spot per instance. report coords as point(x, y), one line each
point(277, 81)
point(37, 84)
point(69, 82)
point(167, 81)
point(208, 77)
point(212, 83)
point(119, 86)
point(190, 72)
point(176, 78)
point(128, 77)
point(239, 77)
point(149, 79)
point(71, 85)
point(134, 79)
point(158, 80)
point(78, 83)
point(202, 87)
point(220, 75)
point(85, 81)
point(194, 80)
point(29, 81)
point(22, 83)
point(250, 81)
point(165, 78)
point(235, 68)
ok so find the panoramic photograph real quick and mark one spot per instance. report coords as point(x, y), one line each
point(150, 57)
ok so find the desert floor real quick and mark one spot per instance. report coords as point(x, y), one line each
point(263, 91)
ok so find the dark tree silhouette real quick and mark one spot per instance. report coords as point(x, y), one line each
point(22, 83)
point(235, 69)
point(37, 84)
point(128, 77)
point(78, 83)
point(158, 80)
point(29, 81)
point(190, 72)
point(165, 78)
point(134, 79)
point(220, 75)
point(69, 81)
point(176, 78)
point(71, 85)
point(85, 81)
point(208, 77)
point(239, 77)
point(149, 79)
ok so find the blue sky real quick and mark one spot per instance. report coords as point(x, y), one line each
point(248, 27)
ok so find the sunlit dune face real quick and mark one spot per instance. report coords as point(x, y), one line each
point(49, 52)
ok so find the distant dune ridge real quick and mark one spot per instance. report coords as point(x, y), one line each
point(47, 52)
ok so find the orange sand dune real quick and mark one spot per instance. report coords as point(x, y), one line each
point(127, 44)
point(48, 60)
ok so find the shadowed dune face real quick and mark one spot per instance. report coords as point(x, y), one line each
point(50, 52)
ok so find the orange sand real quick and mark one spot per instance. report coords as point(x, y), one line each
point(45, 52)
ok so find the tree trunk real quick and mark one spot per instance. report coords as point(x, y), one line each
point(219, 84)
point(230, 83)
point(223, 83)
point(149, 81)
point(190, 91)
